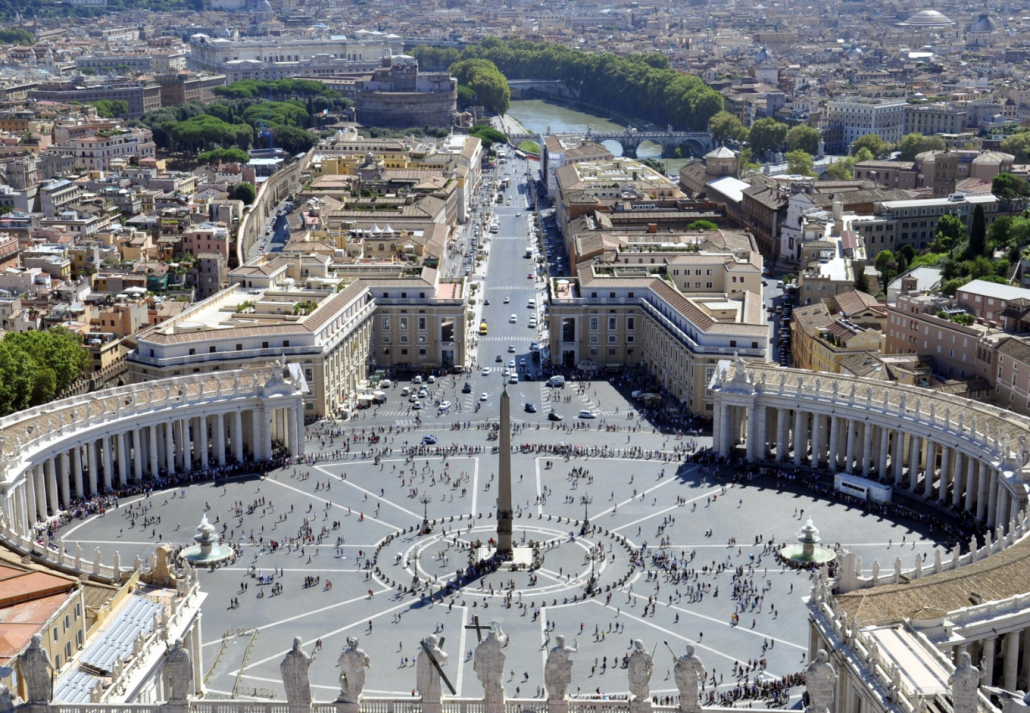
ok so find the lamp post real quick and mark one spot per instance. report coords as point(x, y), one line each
point(425, 499)
point(586, 500)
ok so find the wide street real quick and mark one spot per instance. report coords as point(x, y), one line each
point(717, 532)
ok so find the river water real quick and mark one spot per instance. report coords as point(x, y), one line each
point(542, 116)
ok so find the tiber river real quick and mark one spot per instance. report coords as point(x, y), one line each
point(537, 115)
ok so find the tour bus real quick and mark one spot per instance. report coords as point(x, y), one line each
point(482, 327)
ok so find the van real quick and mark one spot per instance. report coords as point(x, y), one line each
point(556, 382)
point(385, 384)
point(532, 304)
point(379, 397)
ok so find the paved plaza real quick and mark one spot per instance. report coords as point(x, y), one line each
point(359, 503)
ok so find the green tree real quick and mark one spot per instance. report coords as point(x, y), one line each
point(950, 232)
point(36, 366)
point(489, 84)
point(489, 136)
point(223, 156)
point(293, 140)
point(1018, 145)
point(726, 129)
point(1006, 186)
point(804, 138)
point(767, 135)
point(799, 163)
point(861, 281)
point(977, 233)
point(748, 166)
point(466, 98)
point(914, 144)
point(886, 265)
point(702, 225)
point(244, 192)
point(840, 170)
point(17, 36)
point(874, 143)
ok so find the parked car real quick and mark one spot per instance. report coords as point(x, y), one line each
point(529, 408)
point(428, 440)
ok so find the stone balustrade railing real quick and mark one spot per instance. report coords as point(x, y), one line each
point(1001, 435)
point(370, 705)
point(852, 577)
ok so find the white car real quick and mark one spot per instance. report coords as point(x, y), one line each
point(445, 405)
point(431, 379)
point(532, 322)
point(586, 414)
point(511, 364)
point(417, 405)
point(514, 319)
point(507, 300)
point(486, 371)
point(484, 396)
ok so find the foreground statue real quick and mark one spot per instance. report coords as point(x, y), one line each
point(294, 670)
point(641, 666)
point(964, 683)
point(353, 662)
point(36, 669)
point(820, 682)
point(558, 670)
point(489, 667)
point(427, 675)
point(689, 673)
point(178, 672)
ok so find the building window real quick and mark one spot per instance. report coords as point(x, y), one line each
point(593, 324)
point(404, 322)
point(385, 321)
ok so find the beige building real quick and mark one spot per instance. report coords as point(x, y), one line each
point(822, 340)
point(614, 317)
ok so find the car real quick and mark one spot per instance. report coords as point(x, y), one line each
point(532, 323)
point(586, 414)
point(428, 440)
point(417, 405)
point(405, 391)
point(486, 371)
point(532, 304)
point(417, 380)
point(431, 379)
point(511, 364)
point(423, 392)
point(486, 303)
point(552, 416)
point(522, 362)
point(529, 408)
point(413, 398)
point(530, 276)
point(511, 348)
point(514, 378)
point(444, 405)
point(467, 388)
point(507, 300)
point(513, 319)
point(499, 359)
point(484, 396)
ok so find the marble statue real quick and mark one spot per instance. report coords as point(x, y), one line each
point(641, 666)
point(294, 670)
point(964, 683)
point(178, 672)
point(36, 670)
point(488, 664)
point(820, 682)
point(558, 669)
point(427, 678)
point(353, 662)
point(7, 700)
point(689, 672)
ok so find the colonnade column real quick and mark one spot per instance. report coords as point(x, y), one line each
point(971, 484)
point(237, 436)
point(291, 415)
point(30, 496)
point(799, 440)
point(898, 459)
point(958, 478)
point(137, 455)
point(834, 438)
point(885, 440)
point(930, 469)
point(220, 438)
point(947, 463)
point(51, 487)
point(62, 472)
point(123, 458)
point(1011, 659)
point(77, 470)
point(38, 477)
point(982, 488)
point(91, 458)
point(155, 469)
point(867, 448)
point(169, 447)
point(992, 498)
point(200, 441)
point(781, 435)
point(108, 465)
point(850, 447)
point(988, 661)
point(817, 440)
point(913, 463)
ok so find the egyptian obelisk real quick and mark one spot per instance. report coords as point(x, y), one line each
point(504, 513)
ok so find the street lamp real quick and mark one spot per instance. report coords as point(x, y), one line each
point(586, 500)
point(425, 499)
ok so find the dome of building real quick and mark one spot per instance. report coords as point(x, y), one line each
point(929, 18)
point(983, 23)
point(763, 56)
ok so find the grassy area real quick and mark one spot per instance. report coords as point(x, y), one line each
point(530, 146)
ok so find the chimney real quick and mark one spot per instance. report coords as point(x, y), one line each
point(838, 217)
point(652, 227)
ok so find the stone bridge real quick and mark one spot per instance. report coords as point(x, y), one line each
point(698, 142)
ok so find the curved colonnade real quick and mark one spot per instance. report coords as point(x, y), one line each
point(959, 453)
point(87, 445)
